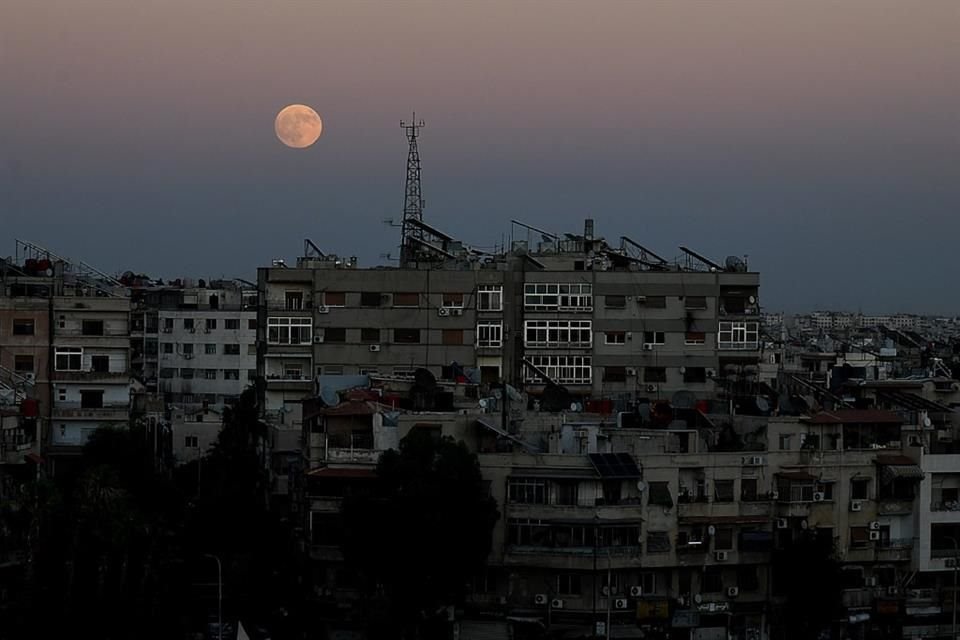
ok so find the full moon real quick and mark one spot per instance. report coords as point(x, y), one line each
point(298, 126)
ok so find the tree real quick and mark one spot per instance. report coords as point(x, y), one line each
point(425, 530)
point(807, 574)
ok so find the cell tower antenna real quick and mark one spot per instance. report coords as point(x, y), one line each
point(413, 195)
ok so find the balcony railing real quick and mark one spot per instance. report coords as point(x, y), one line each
point(896, 543)
point(738, 346)
point(949, 505)
point(100, 413)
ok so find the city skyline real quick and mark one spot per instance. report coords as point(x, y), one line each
point(819, 144)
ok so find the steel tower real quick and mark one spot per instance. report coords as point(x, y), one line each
point(413, 198)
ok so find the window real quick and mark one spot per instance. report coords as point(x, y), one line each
point(68, 358)
point(452, 300)
point(723, 539)
point(653, 302)
point(252, 324)
point(568, 584)
point(92, 327)
point(210, 374)
point(231, 374)
point(723, 490)
point(694, 337)
point(695, 303)
point(694, 374)
point(561, 369)
point(91, 398)
point(859, 537)
point(370, 298)
point(293, 300)
point(186, 374)
point(188, 323)
point(615, 337)
point(231, 349)
point(23, 364)
point(251, 349)
point(658, 542)
point(166, 347)
point(452, 336)
point(23, 327)
point(406, 336)
point(825, 488)
point(406, 299)
point(168, 324)
point(527, 491)
point(660, 494)
point(211, 324)
point(785, 441)
point(614, 374)
point(566, 492)
point(558, 333)
point(654, 374)
point(188, 348)
point(615, 302)
point(738, 335)
point(712, 580)
point(490, 334)
point(339, 299)
point(231, 324)
point(335, 334)
point(100, 364)
point(526, 532)
point(289, 330)
point(167, 372)
point(558, 297)
point(489, 297)
point(748, 489)
point(191, 442)
point(859, 488)
point(369, 335)
point(210, 349)
point(653, 337)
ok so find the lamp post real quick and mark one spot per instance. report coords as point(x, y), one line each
point(219, 595)
point(956, 565)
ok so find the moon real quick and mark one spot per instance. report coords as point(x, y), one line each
point(298, 126)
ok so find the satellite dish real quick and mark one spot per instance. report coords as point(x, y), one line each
point(804, 524)
point(329, 397)
point(752, 299)
point(683, 369)
point(483, 403)
point(641, 486)
point(497, 394)
point(698, 598)
point(712, 530)
point(762, 404)
point(926, 422)
point(573, 407)
point(735, 263)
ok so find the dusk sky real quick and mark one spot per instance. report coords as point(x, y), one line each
point(820, 138)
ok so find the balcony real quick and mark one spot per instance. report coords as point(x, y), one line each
point(100, 413)
point(857, 598)
point(92, 376)
point(895, 550)
point(887, 507)
point(626, 509)
point(289, 383)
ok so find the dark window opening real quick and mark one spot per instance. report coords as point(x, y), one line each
point(91, 399)
point(100, 364)
point(335, 334)
point(92, 327)
point(406, 336)
point(23, 327)
point(370, 298)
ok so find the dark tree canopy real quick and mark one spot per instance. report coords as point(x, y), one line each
point(427, 528)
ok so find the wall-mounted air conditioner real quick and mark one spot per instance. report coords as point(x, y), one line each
point(323, 309)
point(875, 526)
point(540, 598)
point(647, 346)
point(631, 372)
point(651, 388)
point(856, 506)
point(636, 591)
point(556, 603)
point(819, 496)
point(733, 592)
point(374, 348)
point(318, 339)
point(874, 536)
point(870, 581)
point(721, 556)
point(620, 603)
point(443, 312)
point(782, 523)
point(456, 312)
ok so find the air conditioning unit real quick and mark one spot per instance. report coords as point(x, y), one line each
point(631, 372)
point(875, 526)
point(456, 312)
point(733, 592)
point(774, 495)
point(782, 523)
point(721, 556)
point(711, 373)
point(540, 598)
point(620, 603)
point(443, 312)
point(318, 339)
point(556, 603)
point(167, 330)
point(892, 591)
point(647, 347)
point(651, 388)
point(323, 309)
point(819, 496)
point(636, 591)
point(874, 536)
point(753, 461)
point(374, 348)
point(870, 582)
point(856, 505)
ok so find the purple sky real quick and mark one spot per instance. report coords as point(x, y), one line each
point(820, 138)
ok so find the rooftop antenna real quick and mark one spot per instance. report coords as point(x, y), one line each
point(413, 195)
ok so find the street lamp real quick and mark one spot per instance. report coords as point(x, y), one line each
point(219, 595)
point(956, 565)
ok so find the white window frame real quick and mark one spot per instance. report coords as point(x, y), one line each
point(452, 305)
point(67, 352)
point(659, 338)
point(618, 334)
point(489, 335)
point(403, 373)
point(558, 333)
point(562, 369)
point(689, 342)
point(558, 296)
point(489, 297)
point(738, 335)
point(281, 330)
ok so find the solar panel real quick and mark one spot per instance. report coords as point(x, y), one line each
point(615, 465)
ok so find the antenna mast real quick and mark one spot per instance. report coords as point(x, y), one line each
point(413, 196)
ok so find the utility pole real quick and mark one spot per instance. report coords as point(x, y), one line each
point(413, 195)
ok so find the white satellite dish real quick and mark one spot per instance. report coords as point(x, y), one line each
point(711, 530)
point(641, 486)
point(927, 422)
point(483, 403)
